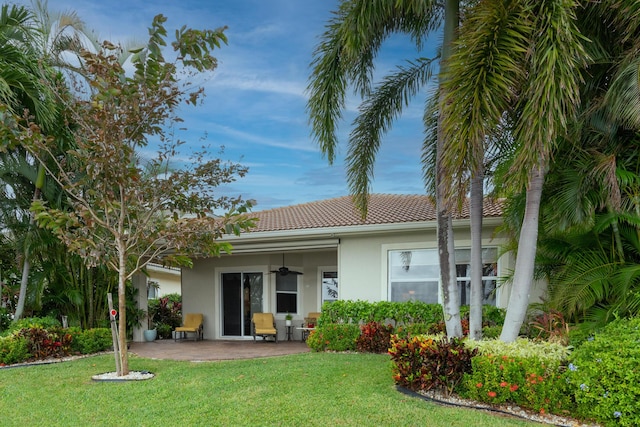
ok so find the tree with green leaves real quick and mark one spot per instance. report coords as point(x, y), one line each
point(345, 56)
point(122, 215)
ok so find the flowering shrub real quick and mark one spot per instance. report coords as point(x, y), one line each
point(528, 382)
point(523, 372)
point(604, 376)
point(334, 337)
point(424, 363)
point(374, 338)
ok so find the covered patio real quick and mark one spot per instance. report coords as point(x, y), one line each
point(208, 350)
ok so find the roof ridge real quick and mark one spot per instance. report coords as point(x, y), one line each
point(384, 208)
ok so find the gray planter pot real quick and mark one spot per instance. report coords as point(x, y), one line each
point(150, 335)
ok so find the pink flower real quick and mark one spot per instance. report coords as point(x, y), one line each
point(504, 384)
point(492, 394)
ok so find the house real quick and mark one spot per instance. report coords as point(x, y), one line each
point(300, 256)
point(165, 280)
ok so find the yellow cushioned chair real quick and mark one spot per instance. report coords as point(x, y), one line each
point(264, 325)
point(192, 323)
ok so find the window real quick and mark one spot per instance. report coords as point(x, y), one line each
point(286, 293)
point(152, 289)
point(415, 275)
point(329, 286)
point(489, 275)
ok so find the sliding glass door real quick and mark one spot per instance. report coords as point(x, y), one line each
point(242, 295)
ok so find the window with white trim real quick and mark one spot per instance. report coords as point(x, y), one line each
point(329, 286)
point(415, 275)
point(286, 293)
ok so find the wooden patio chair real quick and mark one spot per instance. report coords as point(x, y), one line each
point(192, 324)
point(264, 325)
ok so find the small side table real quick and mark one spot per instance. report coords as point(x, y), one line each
point(305, 333)
point(289, 332)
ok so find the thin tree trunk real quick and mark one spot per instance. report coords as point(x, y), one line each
point(446, 246)
point(525, 260)
point(122, 307)
point(476, 298)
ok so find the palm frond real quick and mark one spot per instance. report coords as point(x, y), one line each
point(377, 114)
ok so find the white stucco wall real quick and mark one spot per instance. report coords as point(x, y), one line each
point(363, 260)
point(360, 260)
point(201, 284)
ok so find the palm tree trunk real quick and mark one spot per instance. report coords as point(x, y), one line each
point(525, 259)
point(476, 298)
point(446, 246)
point(26, 265)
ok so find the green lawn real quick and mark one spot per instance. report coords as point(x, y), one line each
point(311, 389)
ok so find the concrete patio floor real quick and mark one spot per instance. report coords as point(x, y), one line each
point(215, 350)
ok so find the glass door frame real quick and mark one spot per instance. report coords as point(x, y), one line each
point(243, 270)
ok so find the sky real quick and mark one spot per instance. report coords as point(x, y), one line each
point(256, 99)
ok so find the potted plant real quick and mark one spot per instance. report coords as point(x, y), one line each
point(150, 334)
point(287, 319)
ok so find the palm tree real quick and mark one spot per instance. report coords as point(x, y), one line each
point(346, 56)
point(590, 241)
point(523, 58)
point(30, 45)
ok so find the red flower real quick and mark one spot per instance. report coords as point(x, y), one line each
point(513, 387)
point(492, 394)
point(504, 384)
point(479, 385)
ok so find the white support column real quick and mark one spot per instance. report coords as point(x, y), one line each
point(139, 281)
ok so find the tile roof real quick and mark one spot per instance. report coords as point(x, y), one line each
point(340, 212)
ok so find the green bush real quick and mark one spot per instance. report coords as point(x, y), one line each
point(13, 349)
point(374, 338)
point(604, 375)
point(5, 319)
point(491, 315)
point(34, 322)
point(491, 332)
point(347, 311)
point(334, 337)
point(412, 330)
point(164, 330)
point(91, 340)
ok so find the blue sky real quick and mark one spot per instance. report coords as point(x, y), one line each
point(256, 98)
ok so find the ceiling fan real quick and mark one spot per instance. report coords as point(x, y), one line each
point(284, 271)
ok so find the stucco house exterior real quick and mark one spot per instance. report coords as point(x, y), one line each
point(391, 255)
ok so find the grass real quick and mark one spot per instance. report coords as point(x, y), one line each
point(311, 389)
